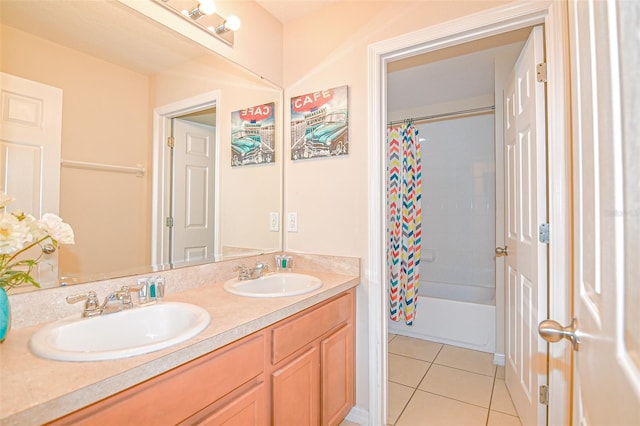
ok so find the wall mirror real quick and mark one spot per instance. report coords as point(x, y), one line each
point(127, 84)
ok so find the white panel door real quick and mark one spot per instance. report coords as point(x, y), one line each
point(606, 112)
point(30, 143)
point(525, 203)
point(193, 209)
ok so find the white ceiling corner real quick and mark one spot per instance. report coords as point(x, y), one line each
point(289, 10)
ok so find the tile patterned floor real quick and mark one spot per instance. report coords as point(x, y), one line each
point(435, 384)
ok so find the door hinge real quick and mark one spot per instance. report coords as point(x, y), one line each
point(171, 142)
point(541, 72)
point(543, 233)
point(169, 222)
point(544, 394)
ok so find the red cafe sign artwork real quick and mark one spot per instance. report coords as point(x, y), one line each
point(311, 101)
point(257, 113)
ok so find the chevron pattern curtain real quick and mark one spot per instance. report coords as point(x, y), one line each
point(404, 219)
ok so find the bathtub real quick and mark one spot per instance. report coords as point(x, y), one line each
point(458, 315)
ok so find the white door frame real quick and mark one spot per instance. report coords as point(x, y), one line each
point(553, 15)
point(161, 164)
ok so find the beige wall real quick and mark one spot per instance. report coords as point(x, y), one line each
point(258, 45)
point(326, 50)
point(105, 209)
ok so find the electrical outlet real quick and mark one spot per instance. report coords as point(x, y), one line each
point(292, 222)
point(274, 221)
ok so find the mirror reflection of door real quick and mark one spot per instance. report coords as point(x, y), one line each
point(30, 143)
point(192, 231)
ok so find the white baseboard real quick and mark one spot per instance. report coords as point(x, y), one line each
point(358, 415)
point(499, 359)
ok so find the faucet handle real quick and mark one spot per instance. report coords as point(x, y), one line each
point(91, 302)
point(91, 298)
point(125, 293)
point(243, 272)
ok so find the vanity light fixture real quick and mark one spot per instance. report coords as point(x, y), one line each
point(203, 16)
point(232, 23)
point(204, 7)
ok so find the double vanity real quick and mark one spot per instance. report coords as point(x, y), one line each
point(272, 350)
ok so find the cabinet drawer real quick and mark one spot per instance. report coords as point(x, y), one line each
point(294, 334)
point(247, 409)
point(177, 394)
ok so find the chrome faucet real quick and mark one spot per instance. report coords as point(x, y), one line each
point(123, 295)
point(93, 307)
point(258, 270)
point(245, 273)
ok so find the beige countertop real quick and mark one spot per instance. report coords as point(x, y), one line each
point(35, 390)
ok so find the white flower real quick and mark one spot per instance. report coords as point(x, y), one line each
point(36, 229)
point(20, 232)
point(14, 233)
point(5, 200)
point(59, 231)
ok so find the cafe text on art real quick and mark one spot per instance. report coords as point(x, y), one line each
point(320, 124)
point(253, 135)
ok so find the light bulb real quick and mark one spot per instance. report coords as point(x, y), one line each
point(232, 23)
point(206, 7)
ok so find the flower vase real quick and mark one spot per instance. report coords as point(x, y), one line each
point(5, 315)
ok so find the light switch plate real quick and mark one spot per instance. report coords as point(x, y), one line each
point(274, 221)
point(292, 222)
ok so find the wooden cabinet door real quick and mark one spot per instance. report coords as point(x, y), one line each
point(296, 391)
point(247, 409)
point(336, 353)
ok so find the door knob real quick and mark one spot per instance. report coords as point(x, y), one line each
point(501, 251)
point(552, 332)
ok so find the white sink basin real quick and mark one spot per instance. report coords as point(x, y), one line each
point(274, 285)
point(123, 334)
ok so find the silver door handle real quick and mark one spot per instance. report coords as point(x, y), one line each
point(501, 251)
point(552, 332)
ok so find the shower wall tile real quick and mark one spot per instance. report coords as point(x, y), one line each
point(459, 200)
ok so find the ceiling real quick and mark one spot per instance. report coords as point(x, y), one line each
point(452, 74)
point(288, 10)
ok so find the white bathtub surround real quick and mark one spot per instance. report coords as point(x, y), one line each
point(453, 314)
point(458, 201)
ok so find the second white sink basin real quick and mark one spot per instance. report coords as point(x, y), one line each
point(274, 285)
point(123, 334)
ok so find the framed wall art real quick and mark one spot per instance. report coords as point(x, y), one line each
point(320, 124)
point(253, 135)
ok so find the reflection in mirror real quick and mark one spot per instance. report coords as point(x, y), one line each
point(127, 83)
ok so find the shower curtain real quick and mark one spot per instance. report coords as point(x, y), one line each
point(404, 219)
